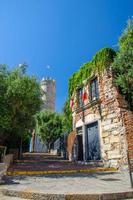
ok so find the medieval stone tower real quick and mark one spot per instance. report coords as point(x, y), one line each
point(48, 93)
point(48, 87)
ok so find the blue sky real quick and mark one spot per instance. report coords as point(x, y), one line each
point(54, 37)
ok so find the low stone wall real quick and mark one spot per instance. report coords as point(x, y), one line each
point(3, 169)
point(15, 153)
point(8, 159)
point(54, 151)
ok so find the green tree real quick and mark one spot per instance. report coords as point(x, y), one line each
point(5, 114)
point(123, 64)
point(20, 99)
point(49, 126)
point(67, 114)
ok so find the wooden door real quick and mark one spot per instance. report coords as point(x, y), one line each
point(93, 144)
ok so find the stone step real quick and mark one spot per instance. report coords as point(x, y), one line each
point(43, 196)
point(60, 171)
point(5, 197)
point(56, 162)
point(92, 163)
point(38, 161)
point(52, 166)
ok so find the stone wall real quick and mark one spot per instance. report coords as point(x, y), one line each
point(3, 170)
point(116, 122)
point(128, 121)
point(8, 160)
point(112, 126)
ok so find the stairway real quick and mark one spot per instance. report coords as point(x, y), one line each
point(43, 163)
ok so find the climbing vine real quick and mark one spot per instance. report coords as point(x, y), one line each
point(100, 61)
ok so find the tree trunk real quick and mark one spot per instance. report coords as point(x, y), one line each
point(49, 145)
point(21, 148)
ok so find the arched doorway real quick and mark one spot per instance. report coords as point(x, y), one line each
point(79, 144)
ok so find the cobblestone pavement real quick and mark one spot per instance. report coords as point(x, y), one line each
point(82, 183)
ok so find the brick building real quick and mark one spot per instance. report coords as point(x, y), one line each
point(103, 123)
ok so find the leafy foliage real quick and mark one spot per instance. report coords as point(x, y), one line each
point(123, 64)
point(20, 99)
point(67, 113)
point(100, 61)
point(5, 114)
point(49, 126)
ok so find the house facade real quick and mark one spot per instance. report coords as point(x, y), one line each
point(103, 123)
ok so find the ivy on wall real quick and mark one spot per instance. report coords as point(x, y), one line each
point(100, 61)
